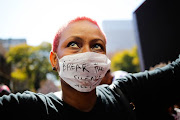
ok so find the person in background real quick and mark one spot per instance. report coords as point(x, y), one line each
point(177, 109)
point(4, 90)
point(112, 76)
point(119, 74)
point(79, 56)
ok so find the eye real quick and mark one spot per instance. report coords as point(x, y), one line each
point(73, 45)
point(97, 46)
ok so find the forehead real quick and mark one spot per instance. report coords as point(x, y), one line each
point(82, 27)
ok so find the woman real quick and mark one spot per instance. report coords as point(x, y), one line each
point(78, 55)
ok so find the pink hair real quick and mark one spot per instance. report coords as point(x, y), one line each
point(58, 34)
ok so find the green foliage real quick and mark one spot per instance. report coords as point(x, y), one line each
point(19, 75)
point(126, 60)
point(30, 63)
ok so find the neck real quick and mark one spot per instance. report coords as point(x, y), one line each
point(83, 101)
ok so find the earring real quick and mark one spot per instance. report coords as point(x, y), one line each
point(54, 68)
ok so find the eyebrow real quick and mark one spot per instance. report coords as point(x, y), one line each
point(93, 40)
point(79, 38)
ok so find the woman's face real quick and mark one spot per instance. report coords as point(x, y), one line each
point(81, 36)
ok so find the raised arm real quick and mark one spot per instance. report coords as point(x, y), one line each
point(159, 86)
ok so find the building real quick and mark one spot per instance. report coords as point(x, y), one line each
point(6, 43)
point(5, 68)
point(120, 34)
point(157, 32)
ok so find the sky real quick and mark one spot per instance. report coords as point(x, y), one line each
point(39, 20)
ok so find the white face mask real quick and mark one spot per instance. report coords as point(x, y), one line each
point(84, 71)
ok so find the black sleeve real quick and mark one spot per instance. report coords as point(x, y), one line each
point(20, 105)
point(159, 87)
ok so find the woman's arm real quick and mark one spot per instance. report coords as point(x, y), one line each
point(159, 86)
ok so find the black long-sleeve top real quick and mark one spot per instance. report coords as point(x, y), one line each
point(152, 92)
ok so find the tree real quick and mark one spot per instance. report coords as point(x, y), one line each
point(126, 60)
point(30, 64)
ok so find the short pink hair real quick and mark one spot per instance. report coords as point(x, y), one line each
point(58, 34)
